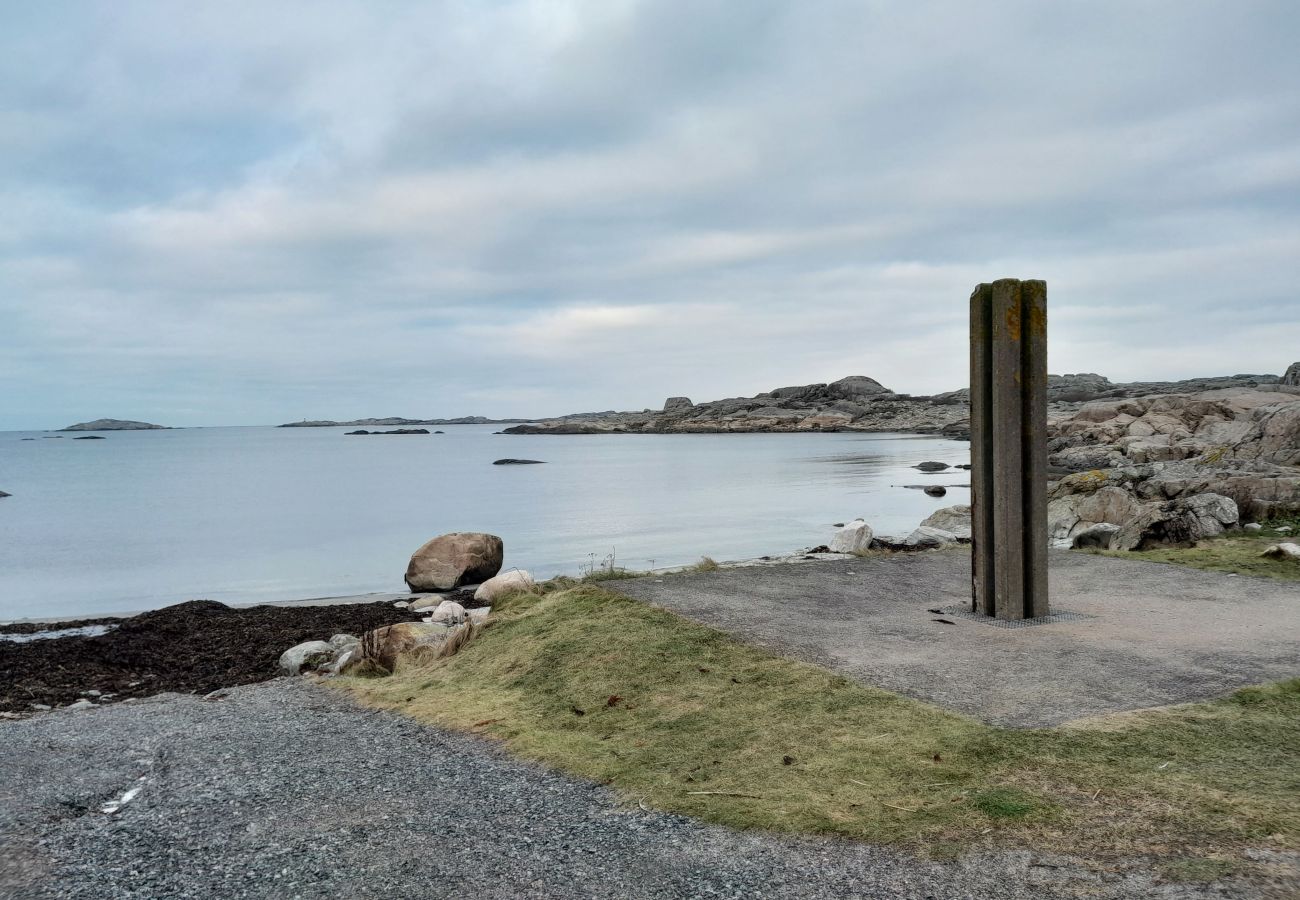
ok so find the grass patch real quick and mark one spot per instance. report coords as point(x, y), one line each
point(1237, 552)
point(687, 719)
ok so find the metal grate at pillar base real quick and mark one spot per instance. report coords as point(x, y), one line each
point(1061, 615)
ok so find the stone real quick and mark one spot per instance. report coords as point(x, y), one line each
point(343, 659)
point(1292, 376)
point(936, 490)
point(1178, 523)
point(426, 604)
point(507, 582)
point(678, 404)
point(931, 466)
point(344, 641)
point(854, 537)
point(308, 655)
point(519, 462)
point(1284, 550)
point(954, 519)
point(1252, 527)
point(450, 560)
point(383, 646)
point(927, 538)
point(3, 494)
point(448, 612)
point(83, 703)
point(1100, 536)
point(479, 615)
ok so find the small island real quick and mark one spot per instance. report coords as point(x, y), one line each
point(114, 425)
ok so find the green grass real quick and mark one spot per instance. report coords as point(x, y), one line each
point(1237, 552)
point(684, 718)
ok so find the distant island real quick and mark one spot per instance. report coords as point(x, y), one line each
point(114, 425)
point(354, 423)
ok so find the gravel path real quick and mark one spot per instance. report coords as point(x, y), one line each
point(285, 790)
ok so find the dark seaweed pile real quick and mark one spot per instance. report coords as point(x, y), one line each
point(193, 647)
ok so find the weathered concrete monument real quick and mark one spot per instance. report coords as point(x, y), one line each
point(1008, 397)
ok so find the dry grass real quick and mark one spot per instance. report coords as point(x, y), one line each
point(689, 720)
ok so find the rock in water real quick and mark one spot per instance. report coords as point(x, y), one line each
point(451, 560)
point(1292, 376)
point(931, 466)
point(519, 462)
point(3, 494)
point(309, 655)
point(505, 583)
point(90, 437)
point(854, 537)
point(954, 519)
point(936, 490)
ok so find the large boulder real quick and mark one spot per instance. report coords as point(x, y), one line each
point(854, 537)
point(678, 404)
point(1100, 537)
point(450, 560)
point(506, 583)
point(953, 519)
point(1178, 523)
point(1292, 376)
point(310, 655)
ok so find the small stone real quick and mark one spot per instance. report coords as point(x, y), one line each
point(40, 707)
point(401, 604)
point(1252, 527)
point(83, 703)
point(1282, 551)
point(936, 490)
point(931, 466)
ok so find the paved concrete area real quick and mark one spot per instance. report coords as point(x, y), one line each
point(1156, 634)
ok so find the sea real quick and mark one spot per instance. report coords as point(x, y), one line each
point(145, 519)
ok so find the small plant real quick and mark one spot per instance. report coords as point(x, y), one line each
point(1003, 803)
point(706, 564)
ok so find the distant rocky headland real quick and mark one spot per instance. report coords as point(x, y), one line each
point(859, 403)
point(396, 421)
point(114, 425)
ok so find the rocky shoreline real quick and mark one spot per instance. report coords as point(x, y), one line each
point(857, 403)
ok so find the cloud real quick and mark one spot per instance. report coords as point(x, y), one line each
point(253, 213)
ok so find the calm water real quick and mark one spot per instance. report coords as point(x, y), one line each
point(147, 518)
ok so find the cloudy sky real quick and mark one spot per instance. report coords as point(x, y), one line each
point(234, 213)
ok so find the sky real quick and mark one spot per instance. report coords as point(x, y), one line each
point(252, 213)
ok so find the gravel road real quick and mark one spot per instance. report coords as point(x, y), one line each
point(287, 790)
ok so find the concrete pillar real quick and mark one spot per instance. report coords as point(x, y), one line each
point(1008, 394)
